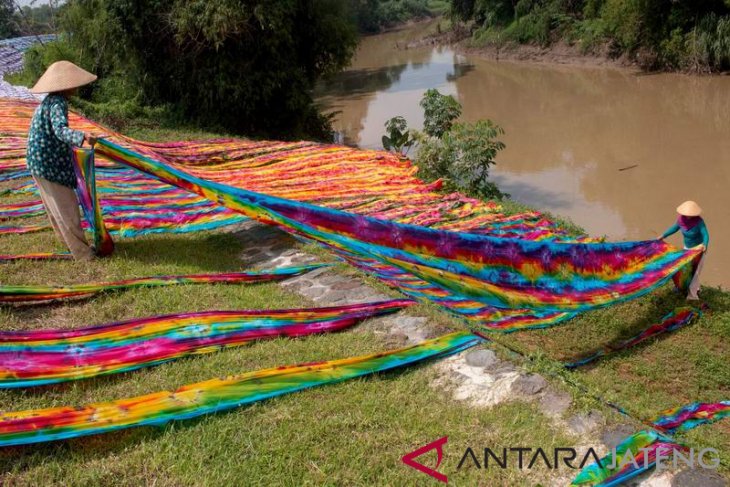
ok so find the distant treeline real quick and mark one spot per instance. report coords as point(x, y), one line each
point(28, 20)
point(237, 66)
point(375, 15)
point(659, 34)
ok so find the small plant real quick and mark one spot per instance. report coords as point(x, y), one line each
point(460, 154)
point(462, 158)
point(439, 112)
point(398, 139)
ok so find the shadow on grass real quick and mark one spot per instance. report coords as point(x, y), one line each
point(212, 252)
point(609, 327)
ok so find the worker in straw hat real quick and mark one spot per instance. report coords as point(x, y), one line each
point(694, 232)
point(49, 155)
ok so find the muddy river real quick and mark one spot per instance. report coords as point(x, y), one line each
point(615, 151)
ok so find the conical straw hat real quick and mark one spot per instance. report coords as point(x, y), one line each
point(61, 76)
point(689, 208)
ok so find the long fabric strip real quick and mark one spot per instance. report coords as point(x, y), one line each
point(633, 456)
point(690, 416)
point(83, 162)
point(25, 294)
point(675, 320)
point(36, 256)
point(500, 272)
point(38, 357)
point(638, 453)
point(367, 183)
point(35, 426)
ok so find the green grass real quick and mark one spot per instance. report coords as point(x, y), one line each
point(350, 433)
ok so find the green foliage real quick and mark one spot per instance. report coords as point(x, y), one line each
point(462, 157)
point(243, 66)
point(399, 138)
point(679, 34)
point(460, 154)
point(375, 15)
point(8, 20)
point(38, 19)
point(439, 112)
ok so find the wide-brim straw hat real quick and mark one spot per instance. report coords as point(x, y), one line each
point(62, 76)
point(689, 208)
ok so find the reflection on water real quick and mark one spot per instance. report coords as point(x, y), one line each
point(569, 131)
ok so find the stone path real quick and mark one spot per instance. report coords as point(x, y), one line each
point(478, 377)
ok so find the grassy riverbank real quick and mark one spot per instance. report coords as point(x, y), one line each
point(352, 433)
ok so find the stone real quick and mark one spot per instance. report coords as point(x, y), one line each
point(346, 285)
point(335, 296)
point(313, 292)
point(582, 424)
point(698, 477)
point(330, 279)
point(529, 385)
point(316, 272)
point(481, 358)
point(616, 434)
point(555, 403)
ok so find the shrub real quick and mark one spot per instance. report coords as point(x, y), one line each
point(439, 112)
point(245, 66)
point(462, 158)
point(398, 138)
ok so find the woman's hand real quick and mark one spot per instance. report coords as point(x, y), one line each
point(700, 247)
point(90, 139)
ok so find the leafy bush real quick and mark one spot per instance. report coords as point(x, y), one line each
point(677, 34)
point(462, 158)
point(375, 15)
point(398, 138)
point(458, 153)
point(439, 112)
point(8, 20)
point(241, 66)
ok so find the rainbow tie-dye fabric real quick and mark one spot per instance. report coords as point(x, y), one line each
point(40, 425)
point(545, 280)
point(28, 294)
point(38, 357)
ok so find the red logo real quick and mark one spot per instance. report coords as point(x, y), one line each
point(409, 459)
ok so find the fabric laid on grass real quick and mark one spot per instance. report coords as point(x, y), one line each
point(504, 273)
point(26, 294)
point(690, 416)
point(638, 453)
point(675, 320)
point(36, 256)
point(37, 357)
point(157, 409)
point(373, 183)
point(633, 456)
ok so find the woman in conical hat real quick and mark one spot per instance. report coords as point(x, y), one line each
point(694, 232)
point(49, 156)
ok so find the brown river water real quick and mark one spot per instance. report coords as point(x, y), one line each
point(613, 150)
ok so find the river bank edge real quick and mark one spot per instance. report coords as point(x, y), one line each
point(560, 53)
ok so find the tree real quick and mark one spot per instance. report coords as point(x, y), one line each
point(8, 20)
point(246, 66)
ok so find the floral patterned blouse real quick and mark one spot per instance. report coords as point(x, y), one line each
point(50, 140)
